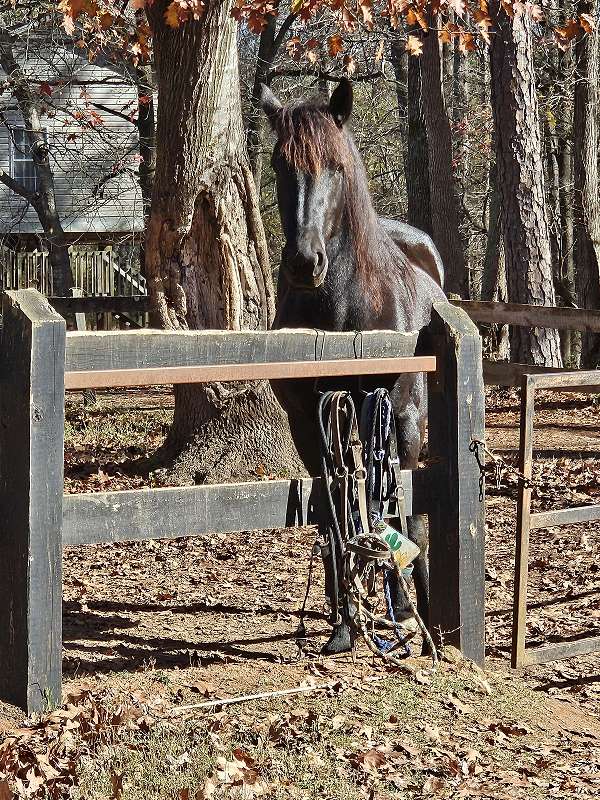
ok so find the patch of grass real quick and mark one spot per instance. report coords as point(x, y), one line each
point(314, 747)
point(114, 429)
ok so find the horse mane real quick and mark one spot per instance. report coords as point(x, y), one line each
point(310, 141)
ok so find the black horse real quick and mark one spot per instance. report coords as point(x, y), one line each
point(345, 269)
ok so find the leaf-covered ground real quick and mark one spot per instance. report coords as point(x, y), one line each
point(149, 626)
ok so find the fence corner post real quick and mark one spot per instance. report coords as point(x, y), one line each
point(457, 516)
point(32, 367)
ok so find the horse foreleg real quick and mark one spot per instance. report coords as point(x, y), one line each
point(409, 399)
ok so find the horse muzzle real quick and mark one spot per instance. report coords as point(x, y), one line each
point(306, 274)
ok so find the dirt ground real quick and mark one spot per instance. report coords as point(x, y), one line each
point(216, 616)
point(228, 604)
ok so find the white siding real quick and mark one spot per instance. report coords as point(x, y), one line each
point(82, 157)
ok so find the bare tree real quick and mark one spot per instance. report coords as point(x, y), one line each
point(521, 180)
point(586, 186)
point(445, 215)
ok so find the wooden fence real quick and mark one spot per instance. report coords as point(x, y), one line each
point(41, 359)
point(502, 373)
point(95, 272)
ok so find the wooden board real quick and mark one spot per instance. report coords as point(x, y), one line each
point(456, 519)
point(528, 316)
point(112, 350)
point(576, 380)
point(565, 516)
point(519, 623)
point(196, 510)
point(247, 372)
point(31, 487)
point(561, 650)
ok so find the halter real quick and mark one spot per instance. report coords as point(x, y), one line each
point(360, 545)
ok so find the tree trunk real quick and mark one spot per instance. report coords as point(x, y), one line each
point(585, 174)
point(399, 59)
point(206, 254)
point(254, 134)
point(445, 215)
point(521, 181)
point(553, 173)
point(44, 199)
point(490, 280)
point(269, 44)
point(146, 125)
point(570, 340)
point(415, 150)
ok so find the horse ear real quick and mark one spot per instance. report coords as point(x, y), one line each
point(340, 104)
point(269, 103)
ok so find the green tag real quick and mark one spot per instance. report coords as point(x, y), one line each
point(404, 551)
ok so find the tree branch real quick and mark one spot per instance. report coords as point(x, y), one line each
point(115, 113)
point(321, 74)
point(16, 187)
point(285, 26)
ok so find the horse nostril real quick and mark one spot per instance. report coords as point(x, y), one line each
point(319, 263)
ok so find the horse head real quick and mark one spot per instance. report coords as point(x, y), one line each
point(311, 160)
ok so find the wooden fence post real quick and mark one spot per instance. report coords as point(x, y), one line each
point(31, 488)
point(456, 519)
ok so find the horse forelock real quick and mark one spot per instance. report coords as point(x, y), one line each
point(309, 139)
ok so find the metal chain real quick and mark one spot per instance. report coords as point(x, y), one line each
point(500, 465)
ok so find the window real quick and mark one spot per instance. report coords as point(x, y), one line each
point(22, 165)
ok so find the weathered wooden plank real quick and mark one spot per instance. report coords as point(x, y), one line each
point(110, 350)
point(131, 304)
point(587, 381)
point(196, 510)
point(560, 318)
point(456, 514)
point(565, 516)
point(503, 373)
point(31, 489)
point(556, 652)
point(247, 372)
point(519, 624)
point(79, 316)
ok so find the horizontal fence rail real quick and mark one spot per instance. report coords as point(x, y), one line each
point(153, 376)
point(151, 349)
point(503, 373)
point(172, 512)
point(529, 316)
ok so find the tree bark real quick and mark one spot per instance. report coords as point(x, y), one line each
point(490, 281)
point(570, 340)
point(585, 174)
point(269, 44)
point(146, 125)
point(415, 150)
point(206, 254)
point(553, 173)
point(445, 214)
point(521, 181)
point(44, 199)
